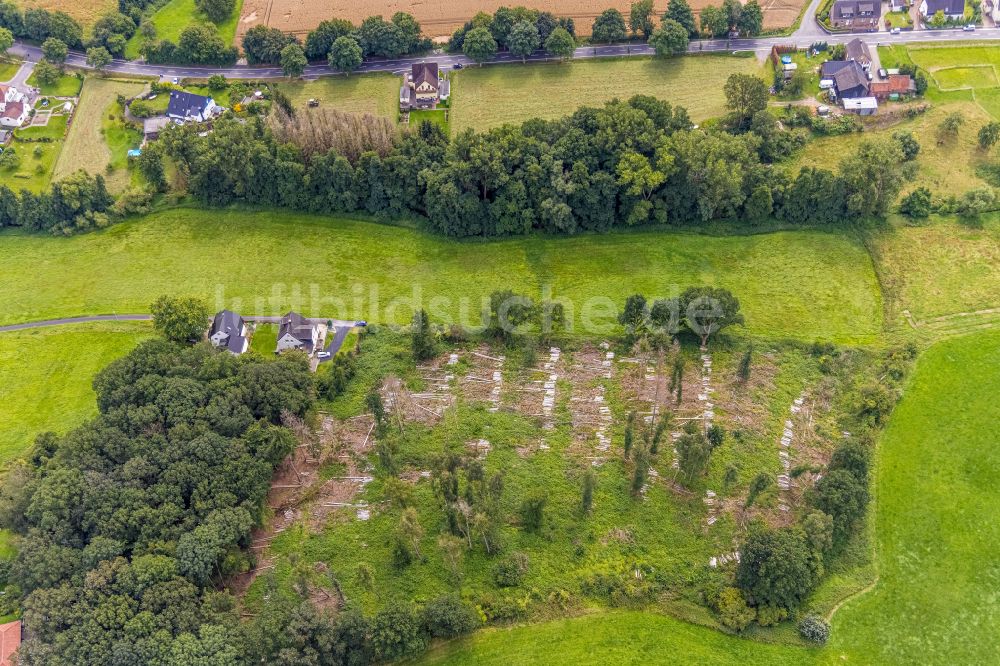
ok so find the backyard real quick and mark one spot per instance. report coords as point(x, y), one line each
point(554, 90)
point(836, 295)
point(99, 136)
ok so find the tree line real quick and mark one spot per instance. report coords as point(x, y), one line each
point(628, 163)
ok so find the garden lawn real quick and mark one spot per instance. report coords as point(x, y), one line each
point(938, 498)
point(171, 19)
point(95, 140)
point(490, 96)
point(438, 117)
point(34, 172)
point(67, 85)
point(377, 94)
point(8, 69)
point(46, 375)
point(949, 167)
point(623, 637)
point(799, 284)
point(940, 268)
point(264, 339)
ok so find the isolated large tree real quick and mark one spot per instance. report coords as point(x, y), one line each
point(873, 177)
point(671, 38)
point(523, 39)
point(55, 50)
point(180, 319)
point(746, 94)
point(345, 55)
point(776, 567)
point(479, 45)
point(708, 310)
point(609, 27)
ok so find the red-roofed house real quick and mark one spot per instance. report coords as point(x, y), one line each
point(14, 107)
point(896, 84)
point(10, 640)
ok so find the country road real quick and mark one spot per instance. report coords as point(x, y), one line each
point(807, 33)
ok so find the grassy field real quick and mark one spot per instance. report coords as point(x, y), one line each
point(941, 268)
point(955, 78)
point(171, 19)
point(377, 94)
point(45, 377)
point(937, 482)
point(490, 96)
point(8, 68)
point(934, 603)
point(948, 166)
point(616, 638)
point(84, 12)
point(323, 266)
point(67, 85)
point(95, 140)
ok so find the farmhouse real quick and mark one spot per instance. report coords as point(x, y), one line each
point(857, 51)
point(849, 79)
point(856, 15)
point(952, 9)
point(297, 332)
point(229, 332)
point(187, 107)
point(423, 87)
point(14, 107)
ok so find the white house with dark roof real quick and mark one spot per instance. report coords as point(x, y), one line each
point(297, 332)
point(15, 107)
point(185, 107)
point(952, 9)
point(229, 332)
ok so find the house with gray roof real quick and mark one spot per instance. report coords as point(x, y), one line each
point(297, 332)
point(952, 9)
point(187, 107)
point(229, 332)
point(849, 79)
point(856, 15)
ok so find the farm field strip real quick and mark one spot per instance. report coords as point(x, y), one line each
point(551, 91)
point(331, 266)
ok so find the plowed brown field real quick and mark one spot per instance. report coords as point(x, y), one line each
point(439, 18)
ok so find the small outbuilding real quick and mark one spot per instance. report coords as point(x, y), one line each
point(862, 106)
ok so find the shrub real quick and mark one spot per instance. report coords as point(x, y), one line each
point(510, 571)
point(768, 616)
point(533, 511)
point(917, 204)
point(448, 616)
point(815, 629)
point(733, 609)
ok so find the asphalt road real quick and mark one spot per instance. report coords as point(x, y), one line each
point(808, 32)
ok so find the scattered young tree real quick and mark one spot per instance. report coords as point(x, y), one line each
point(680, 11)
point(479, 45)
point(421, 336)
point(609, 27)
point(661, 429)
point(629, 437)
point(950, 125)
point(533, 511)
point(587, 494)
point(345, 55)
point(523, 39)
point(99, 58)
point(452, 553)
point(641, 470)
point(671, 38)
point(693, 452)
point(989, 134)
point(635, 314)
point(180, 319)
point(293, 61)
point(746, 362)
point(760, 483)
point(640, 18)
point(908, 144)
point(560, 44)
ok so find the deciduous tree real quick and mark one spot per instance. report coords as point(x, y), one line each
point(671, 38)
point(609, 27)
point(345, 54)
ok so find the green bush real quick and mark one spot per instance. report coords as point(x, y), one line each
point(510, 571)
point(768, 616)
point(448, 616)
point(397, 633)
point(733, 609)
